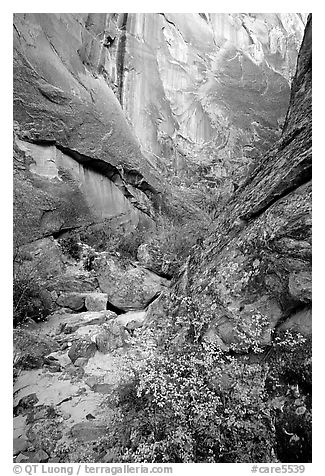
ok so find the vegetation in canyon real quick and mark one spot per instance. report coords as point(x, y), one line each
point(157, 320)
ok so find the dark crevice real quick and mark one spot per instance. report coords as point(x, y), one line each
point(63, 231)
point(286, 140)
point(204, 16)
point(120, 177)
point(109, 40)
point(156, 296)
point(117, 310)
point(121, 50)
point(161, 274)
point(296, 307)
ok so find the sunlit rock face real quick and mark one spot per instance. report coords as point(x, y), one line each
point(205, 93)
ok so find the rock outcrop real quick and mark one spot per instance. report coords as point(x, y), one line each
point(206, 94)
point(129, 287)
point(254, 270)
point(76, 159)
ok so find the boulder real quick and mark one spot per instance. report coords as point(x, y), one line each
point(83, 348)
point(75, 301)
point(81, 362)
point(68, 323)
point(96, 301)
point(150, 256)
point(79, 282)
point(44, 256)
point(131, 320)
point(88, 431)
point(19, 445)
point(78, 300)
point(44, 435)
point(25, 404)
point(23, 458)
point(131, 287)
point(300, 285)
point(300, 322)
point(112, 336)
point(40, 456)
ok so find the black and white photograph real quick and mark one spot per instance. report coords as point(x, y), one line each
point(161, 256)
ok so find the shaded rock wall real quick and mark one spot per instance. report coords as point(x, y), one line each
point(61, 194)
point(63, 102)
point(207, 90)
point(254, 270)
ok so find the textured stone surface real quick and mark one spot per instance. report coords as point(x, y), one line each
point(93, 302)
point(205, 93)
point(19, 445)
point(76, 159)
point(77, 281)
point(111, 337)
point(30, 349)
point(128, 287)
point(69, 323)
point(150, 256)
point(96, 302)
point(75, 301)
point(254, 268)
point(68, 194)
point(132, 320)
point(300, 322)
point(82, 349)
point(88, 431)
point(45, 257)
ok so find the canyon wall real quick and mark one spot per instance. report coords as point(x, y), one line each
point(252, 275)
point(76, 159)
point(107, 106)
point(206, 94)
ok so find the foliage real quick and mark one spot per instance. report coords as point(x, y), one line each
point(170, 241)
point(192, 402)
point(289, 385)
point(70, 246)
point(173, 241)
point(113, 240)
point(196, 404)
point(28, 297)
point(128, 243)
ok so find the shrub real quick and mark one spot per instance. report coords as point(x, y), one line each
point(172, 241)
point(289, 385)
point(70, 246)
point(192, 402)
point(105, 238)
point(196, 404)
point(128, 243)
point(28, 296)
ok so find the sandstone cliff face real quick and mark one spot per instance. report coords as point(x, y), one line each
point(206, 94)
point(77, 161)
point(254, 271)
